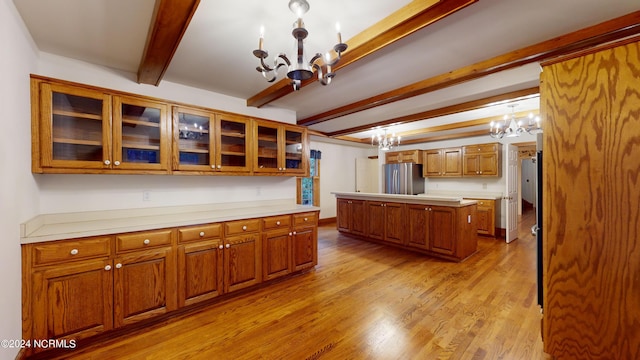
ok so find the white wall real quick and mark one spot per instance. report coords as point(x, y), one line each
point(18, 191)
point(337, 172)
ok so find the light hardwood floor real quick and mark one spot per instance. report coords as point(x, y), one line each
point(365, 301)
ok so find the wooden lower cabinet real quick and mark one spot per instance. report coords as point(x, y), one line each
point(442, 226)
point(71, 301)
point(442, 231)
point(242, 262)
point(304, 241)
point(276, 247)
point(144, 285)
point(351, 216)
point(77, 288)
point(486, 215)
point(386, 221)
point(199, 271)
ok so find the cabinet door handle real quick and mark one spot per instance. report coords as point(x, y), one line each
point(305, 219)
point(118, 266)
point(244, 228)
point(294, 233)
point(146, 241)
point(480, 172)
point(213, 166)
point(227, 246)
point(219, 166)
point(74, 252)
point(201, 233)
point(290, 234)
point(116, 163)
point(221, 247)
point(107, 162)
point(107, 268)
point(278, 223)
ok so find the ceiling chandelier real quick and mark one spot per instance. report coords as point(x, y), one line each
point(511, 126)
point(384, 140)
point(300, 69)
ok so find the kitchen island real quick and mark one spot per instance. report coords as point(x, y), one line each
point(441, 226)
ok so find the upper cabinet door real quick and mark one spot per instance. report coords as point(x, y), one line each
point(295, 154)
point(233, 143)
point(75, 128)
point(193, 139)
point(140, 134)
point(266, 149)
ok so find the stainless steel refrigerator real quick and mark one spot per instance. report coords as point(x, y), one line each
point(403, 178)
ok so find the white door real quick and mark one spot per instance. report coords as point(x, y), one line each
point(367, 175)
point(512, 193)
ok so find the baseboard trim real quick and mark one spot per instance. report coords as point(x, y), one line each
point(327, 221)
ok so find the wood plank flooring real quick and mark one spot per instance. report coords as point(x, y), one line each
point(365, 301)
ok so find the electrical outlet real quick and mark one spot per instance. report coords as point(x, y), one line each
point(146, 195)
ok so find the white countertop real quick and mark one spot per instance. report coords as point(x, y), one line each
point(454, 201)
point(47, 227)
point(466, 194)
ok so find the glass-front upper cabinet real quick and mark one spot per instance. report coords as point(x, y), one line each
point(75, 129)
point(296, 154)
point(281, 149)
point(233, 136)
point(140, 134)
point(193, 139)
point(206, 141)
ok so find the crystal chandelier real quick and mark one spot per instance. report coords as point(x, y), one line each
point(384, 141)
point(301, 69)
point(510, 126)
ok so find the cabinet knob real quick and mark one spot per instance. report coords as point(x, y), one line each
point(290, 233)
point(146, 241)
point(219, 166)
point(201, 233)
point(116, 163)
point(430, 209)
point(74, 252)
point(107, 268)
point(244, 228)
point(118, 266)
point(294, 233)
point(278, 223)
point(305, 219)
point(213, 166)
point(107, 162)
point(221, 247)
point(227, 246)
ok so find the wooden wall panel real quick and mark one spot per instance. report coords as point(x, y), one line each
point(591, 111)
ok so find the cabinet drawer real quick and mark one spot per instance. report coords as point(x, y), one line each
point(276, 222)
point(143, 240)
point(199, 232)
point(71, 250)
point(242, 226)
point(305, 219)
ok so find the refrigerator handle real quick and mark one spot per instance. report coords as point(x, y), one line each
point(407, 180)
point(394, 184)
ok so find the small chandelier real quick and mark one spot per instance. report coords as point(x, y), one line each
point(384, 141)
point(510, 126)
point(300, 69)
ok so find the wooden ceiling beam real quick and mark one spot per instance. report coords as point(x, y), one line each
point(607, 31)
point(409, 19)
point(168, 25)
point(447, 110)
point(461, 135)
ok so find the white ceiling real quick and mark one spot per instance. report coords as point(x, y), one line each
point(215, 53)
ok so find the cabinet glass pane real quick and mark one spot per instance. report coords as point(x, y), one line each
point(267, 147)
point(293, 149)
point(140, 134)
point(193, 134)
point(76, 127)
point(233, 143)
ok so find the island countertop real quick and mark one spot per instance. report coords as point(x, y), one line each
point(427, 199)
